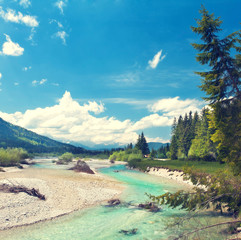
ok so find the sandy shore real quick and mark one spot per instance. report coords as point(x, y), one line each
point(65, 191)
point(166, 173)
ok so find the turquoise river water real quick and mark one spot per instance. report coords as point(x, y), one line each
point(105, 223)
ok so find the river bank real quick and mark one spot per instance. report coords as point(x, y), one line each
point(65, 191)
point(177, 176)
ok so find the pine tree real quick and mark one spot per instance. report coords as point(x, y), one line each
point(142, 144)
point(202, 147)
point(222, 81)
point(174, 145)
point(222, 84)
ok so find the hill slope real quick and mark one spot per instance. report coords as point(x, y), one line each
point(14, 136)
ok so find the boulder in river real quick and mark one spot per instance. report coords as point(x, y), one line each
point(82, 166)
point(114, 202)
point(149, 206)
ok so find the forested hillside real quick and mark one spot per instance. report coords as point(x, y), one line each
point(14, 136)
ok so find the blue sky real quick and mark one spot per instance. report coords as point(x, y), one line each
point(102, 71)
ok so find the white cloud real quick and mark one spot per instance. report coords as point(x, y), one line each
point(62, 35)
point(173, 107)
point(25, 69)
point(41, 82)
point(11, 16)
point(1, 75)
point(16, 84)
point(153, 120)
point(60, 5)
point(44, 80)
point(70, 121)
point(10, 48)
point(25, 3)
point(156, 59)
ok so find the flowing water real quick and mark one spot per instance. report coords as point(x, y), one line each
point(106, 222)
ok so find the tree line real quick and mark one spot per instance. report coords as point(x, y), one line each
point(192, 137)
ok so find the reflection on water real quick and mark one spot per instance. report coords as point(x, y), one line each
point(105, 222)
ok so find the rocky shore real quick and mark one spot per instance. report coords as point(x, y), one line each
point(65, 191)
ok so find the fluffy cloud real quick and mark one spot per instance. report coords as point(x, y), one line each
point(156, 59)
point(70, 121)
point(25, 3)
point(10, 48)
point(62, 35)
point(1, 75)
point(11, 16)
point(60, 5)
point(173, 107)
point(153, 120)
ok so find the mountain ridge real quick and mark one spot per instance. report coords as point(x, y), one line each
point(14, 136)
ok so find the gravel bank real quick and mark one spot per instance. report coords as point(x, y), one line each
point(65, 192)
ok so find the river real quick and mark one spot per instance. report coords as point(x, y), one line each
point(105, 223)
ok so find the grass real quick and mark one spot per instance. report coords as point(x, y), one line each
point(208, 167)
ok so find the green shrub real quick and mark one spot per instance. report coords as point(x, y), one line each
point(65, 158)
point(126, 155)
point(12, 156)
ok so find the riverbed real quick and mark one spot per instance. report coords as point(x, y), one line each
point(106, 223)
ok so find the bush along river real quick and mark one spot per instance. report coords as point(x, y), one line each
point(123, 221)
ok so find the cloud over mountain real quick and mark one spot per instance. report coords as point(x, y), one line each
point(70, 121)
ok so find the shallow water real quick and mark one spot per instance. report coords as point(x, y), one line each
point(105, 222)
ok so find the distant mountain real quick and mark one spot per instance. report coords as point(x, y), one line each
point(97, 147)
point(14, 136)
point(102, 147)
point(156, 145)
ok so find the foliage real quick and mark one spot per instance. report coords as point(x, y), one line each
point(202, 146)
point(222, 84)
point(221, 191)
point(12, 156)
point(98, 154)
point(191, 138)
point(65, 158)
point(126, 155)
point(142, 144)
point(226, 120)
point(222, 81)
point(162, 151)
